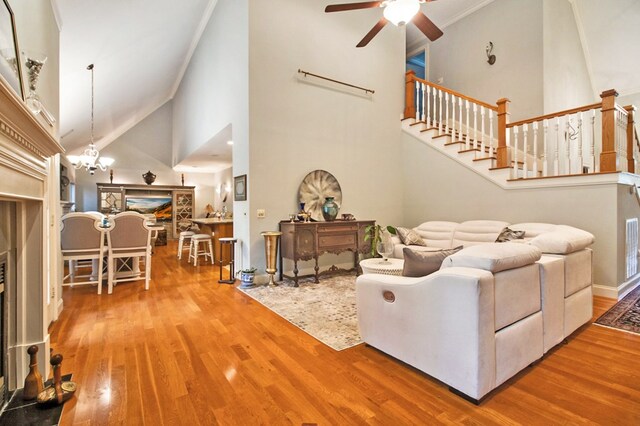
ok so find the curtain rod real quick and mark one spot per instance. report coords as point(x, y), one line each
point(306, 73)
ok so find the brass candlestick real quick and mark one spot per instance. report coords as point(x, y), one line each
point(271, 253)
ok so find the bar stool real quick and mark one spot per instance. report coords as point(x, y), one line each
point(195, 245)
point(185, 236)
point(231, 242)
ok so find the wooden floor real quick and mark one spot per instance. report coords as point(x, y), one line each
point(192, 351)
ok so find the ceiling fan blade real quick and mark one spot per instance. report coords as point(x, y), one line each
point(372, 33)
point(351, 6)
point(425, 25)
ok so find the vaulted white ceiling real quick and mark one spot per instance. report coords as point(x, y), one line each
point(140, 49)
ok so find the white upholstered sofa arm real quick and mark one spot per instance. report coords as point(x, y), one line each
point(443, 324)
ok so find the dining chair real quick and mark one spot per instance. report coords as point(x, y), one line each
point(129, 241)
point(82, 239)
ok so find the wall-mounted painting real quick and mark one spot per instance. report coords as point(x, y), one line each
point(240, 188)
point(10, 72)
point(159, 206)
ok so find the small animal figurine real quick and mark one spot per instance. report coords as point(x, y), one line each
point(61, 391)
point(33, 383)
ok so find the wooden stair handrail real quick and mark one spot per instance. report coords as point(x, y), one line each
point(457, 94)
point(555, 114)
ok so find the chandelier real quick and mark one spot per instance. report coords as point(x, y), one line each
point(90, 158)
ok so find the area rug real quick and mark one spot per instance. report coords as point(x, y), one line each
point(326, 311)
point(624, 315)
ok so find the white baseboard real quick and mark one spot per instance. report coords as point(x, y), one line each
point(619, 292)
point(18, 361)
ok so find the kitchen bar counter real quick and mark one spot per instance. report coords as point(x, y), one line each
point(221, 228)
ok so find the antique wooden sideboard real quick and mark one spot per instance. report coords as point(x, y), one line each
point(306, 241)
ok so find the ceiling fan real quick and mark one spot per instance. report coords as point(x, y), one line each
point(398, 12)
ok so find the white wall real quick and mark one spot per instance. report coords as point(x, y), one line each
point(214, 94)
point(438, 188)
point(515, 28)
point(145, 147)
point(297, 127)
point(566, 78)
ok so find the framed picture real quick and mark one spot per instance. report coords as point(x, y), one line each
point(10, 69)
point(240, 188)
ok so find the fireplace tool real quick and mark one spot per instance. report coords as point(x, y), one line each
point(60, 391)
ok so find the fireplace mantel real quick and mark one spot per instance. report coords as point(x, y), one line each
point(29, 222)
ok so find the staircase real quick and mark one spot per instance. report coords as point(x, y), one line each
point(562, 148)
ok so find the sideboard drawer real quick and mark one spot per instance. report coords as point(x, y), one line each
point(336, 241)
point(328, 229)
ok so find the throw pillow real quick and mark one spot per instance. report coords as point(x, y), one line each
point(409, 237)
point(508, 234)
point(422, 263)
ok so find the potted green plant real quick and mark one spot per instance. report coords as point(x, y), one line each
point(375, 234)
point(246, 277)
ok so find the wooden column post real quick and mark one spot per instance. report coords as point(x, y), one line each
point(409, 99)
point(609, 156)
point(502, 152)
point(630, 138)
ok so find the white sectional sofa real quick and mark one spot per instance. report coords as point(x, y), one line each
point(491, 309)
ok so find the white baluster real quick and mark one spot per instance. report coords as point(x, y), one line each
point(515, 152)
point(440, 112)
point(468, 132)
point(525, 150)
point(417, 100)
point(460, 120)
point(535, 149)
point(424, 110)
point(556, 165)
point(567, 150)
point(446, 121)
point(545, 157)
point(491, 132)
point(475, 125)
point(453, 118)
point(592, 149)
point(435, 106)
point(482, 134)
point(428, 113)
point(580, 164)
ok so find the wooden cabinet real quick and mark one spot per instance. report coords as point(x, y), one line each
point(112, 198)
point(307, 241)
point(182, 210)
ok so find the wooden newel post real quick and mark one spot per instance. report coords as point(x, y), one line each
point(631, 110)
point(609, 156)
point(502, 152)
point(409, 95)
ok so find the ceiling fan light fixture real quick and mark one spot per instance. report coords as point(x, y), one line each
point(399, 12)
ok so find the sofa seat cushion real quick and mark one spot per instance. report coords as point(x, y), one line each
point(563, 240)
point(494, 257)
point(420, 263)
point(475, 232)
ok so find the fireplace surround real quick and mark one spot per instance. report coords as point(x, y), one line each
point(29, 229)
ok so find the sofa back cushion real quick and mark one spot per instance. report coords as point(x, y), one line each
point(418, 263)
point(555, 239)
point(475, 232)
point(437, 233)
point(494, 257)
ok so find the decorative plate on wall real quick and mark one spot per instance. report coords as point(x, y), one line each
point(315, 187)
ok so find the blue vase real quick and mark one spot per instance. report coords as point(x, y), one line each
point(329, 209)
